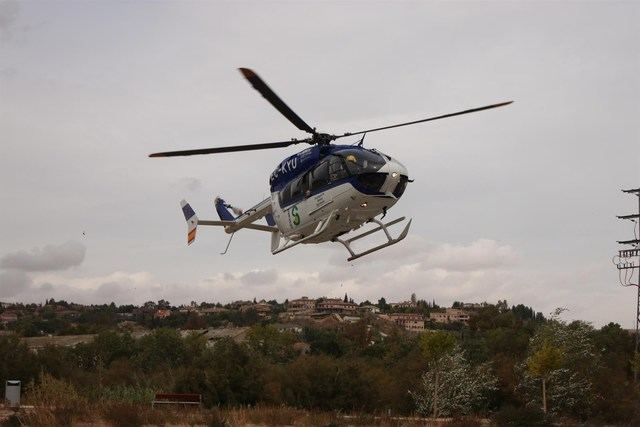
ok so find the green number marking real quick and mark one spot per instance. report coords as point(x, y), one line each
point(295, 215)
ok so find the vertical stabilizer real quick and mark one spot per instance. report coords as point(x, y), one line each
point(192, 221)
point(223, 207)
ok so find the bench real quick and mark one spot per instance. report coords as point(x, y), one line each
point(177, 399)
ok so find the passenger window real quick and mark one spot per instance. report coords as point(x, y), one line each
point(320, 176)
point(285, 195)
point(296, 187)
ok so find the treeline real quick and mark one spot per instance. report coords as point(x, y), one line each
point(508, 364)
point(99, 318)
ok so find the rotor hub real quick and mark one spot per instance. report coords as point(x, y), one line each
point(322, 138)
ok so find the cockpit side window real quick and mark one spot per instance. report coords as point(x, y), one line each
point(361, 161)
point(337, 169)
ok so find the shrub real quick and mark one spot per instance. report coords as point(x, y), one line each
point(123, 414)
point(57, 402)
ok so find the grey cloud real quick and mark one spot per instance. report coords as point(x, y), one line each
point(259, 277)
point(46, 287)
point(9, 10)
point(13, 282)
point(190, 183)
point(109, 290)
point(48, 258)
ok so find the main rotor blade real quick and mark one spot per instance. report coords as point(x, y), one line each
point(259, 85)
point(459, 113)
point(231, 149)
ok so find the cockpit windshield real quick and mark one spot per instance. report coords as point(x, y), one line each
point(361, 161)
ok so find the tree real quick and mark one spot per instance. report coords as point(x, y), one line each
point(541, 364)
point(324, 341)
point(164, 348)
point(563, 355)
point(16, 361)
point(268, 341)
point(194, 321)
point(382, 304)
point(452, 386)
point(434, 347)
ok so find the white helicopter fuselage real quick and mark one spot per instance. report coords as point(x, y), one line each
point(348, 207)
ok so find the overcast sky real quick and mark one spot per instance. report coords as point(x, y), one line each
point(517, 203)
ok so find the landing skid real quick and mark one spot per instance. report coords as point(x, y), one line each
point(381, 226)
point(277, 246)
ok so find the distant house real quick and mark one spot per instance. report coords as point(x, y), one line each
point(262, 308)
point(162, 313)
point(369, 309)
point(237, 305)
point(8, 317)
point(336, 305)
point(301, 304)
point(409, 321)
point(450, 315)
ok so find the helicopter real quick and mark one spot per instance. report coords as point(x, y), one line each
point(323, 193)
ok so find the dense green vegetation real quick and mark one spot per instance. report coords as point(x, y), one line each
point(495, 367)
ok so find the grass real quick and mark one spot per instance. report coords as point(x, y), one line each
point(118, 414)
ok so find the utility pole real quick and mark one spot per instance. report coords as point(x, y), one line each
point(628, 262)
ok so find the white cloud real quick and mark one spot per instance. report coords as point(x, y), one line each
point(481, 254)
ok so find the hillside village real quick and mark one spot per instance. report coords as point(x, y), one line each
point(318, 354)
point(68, 324)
